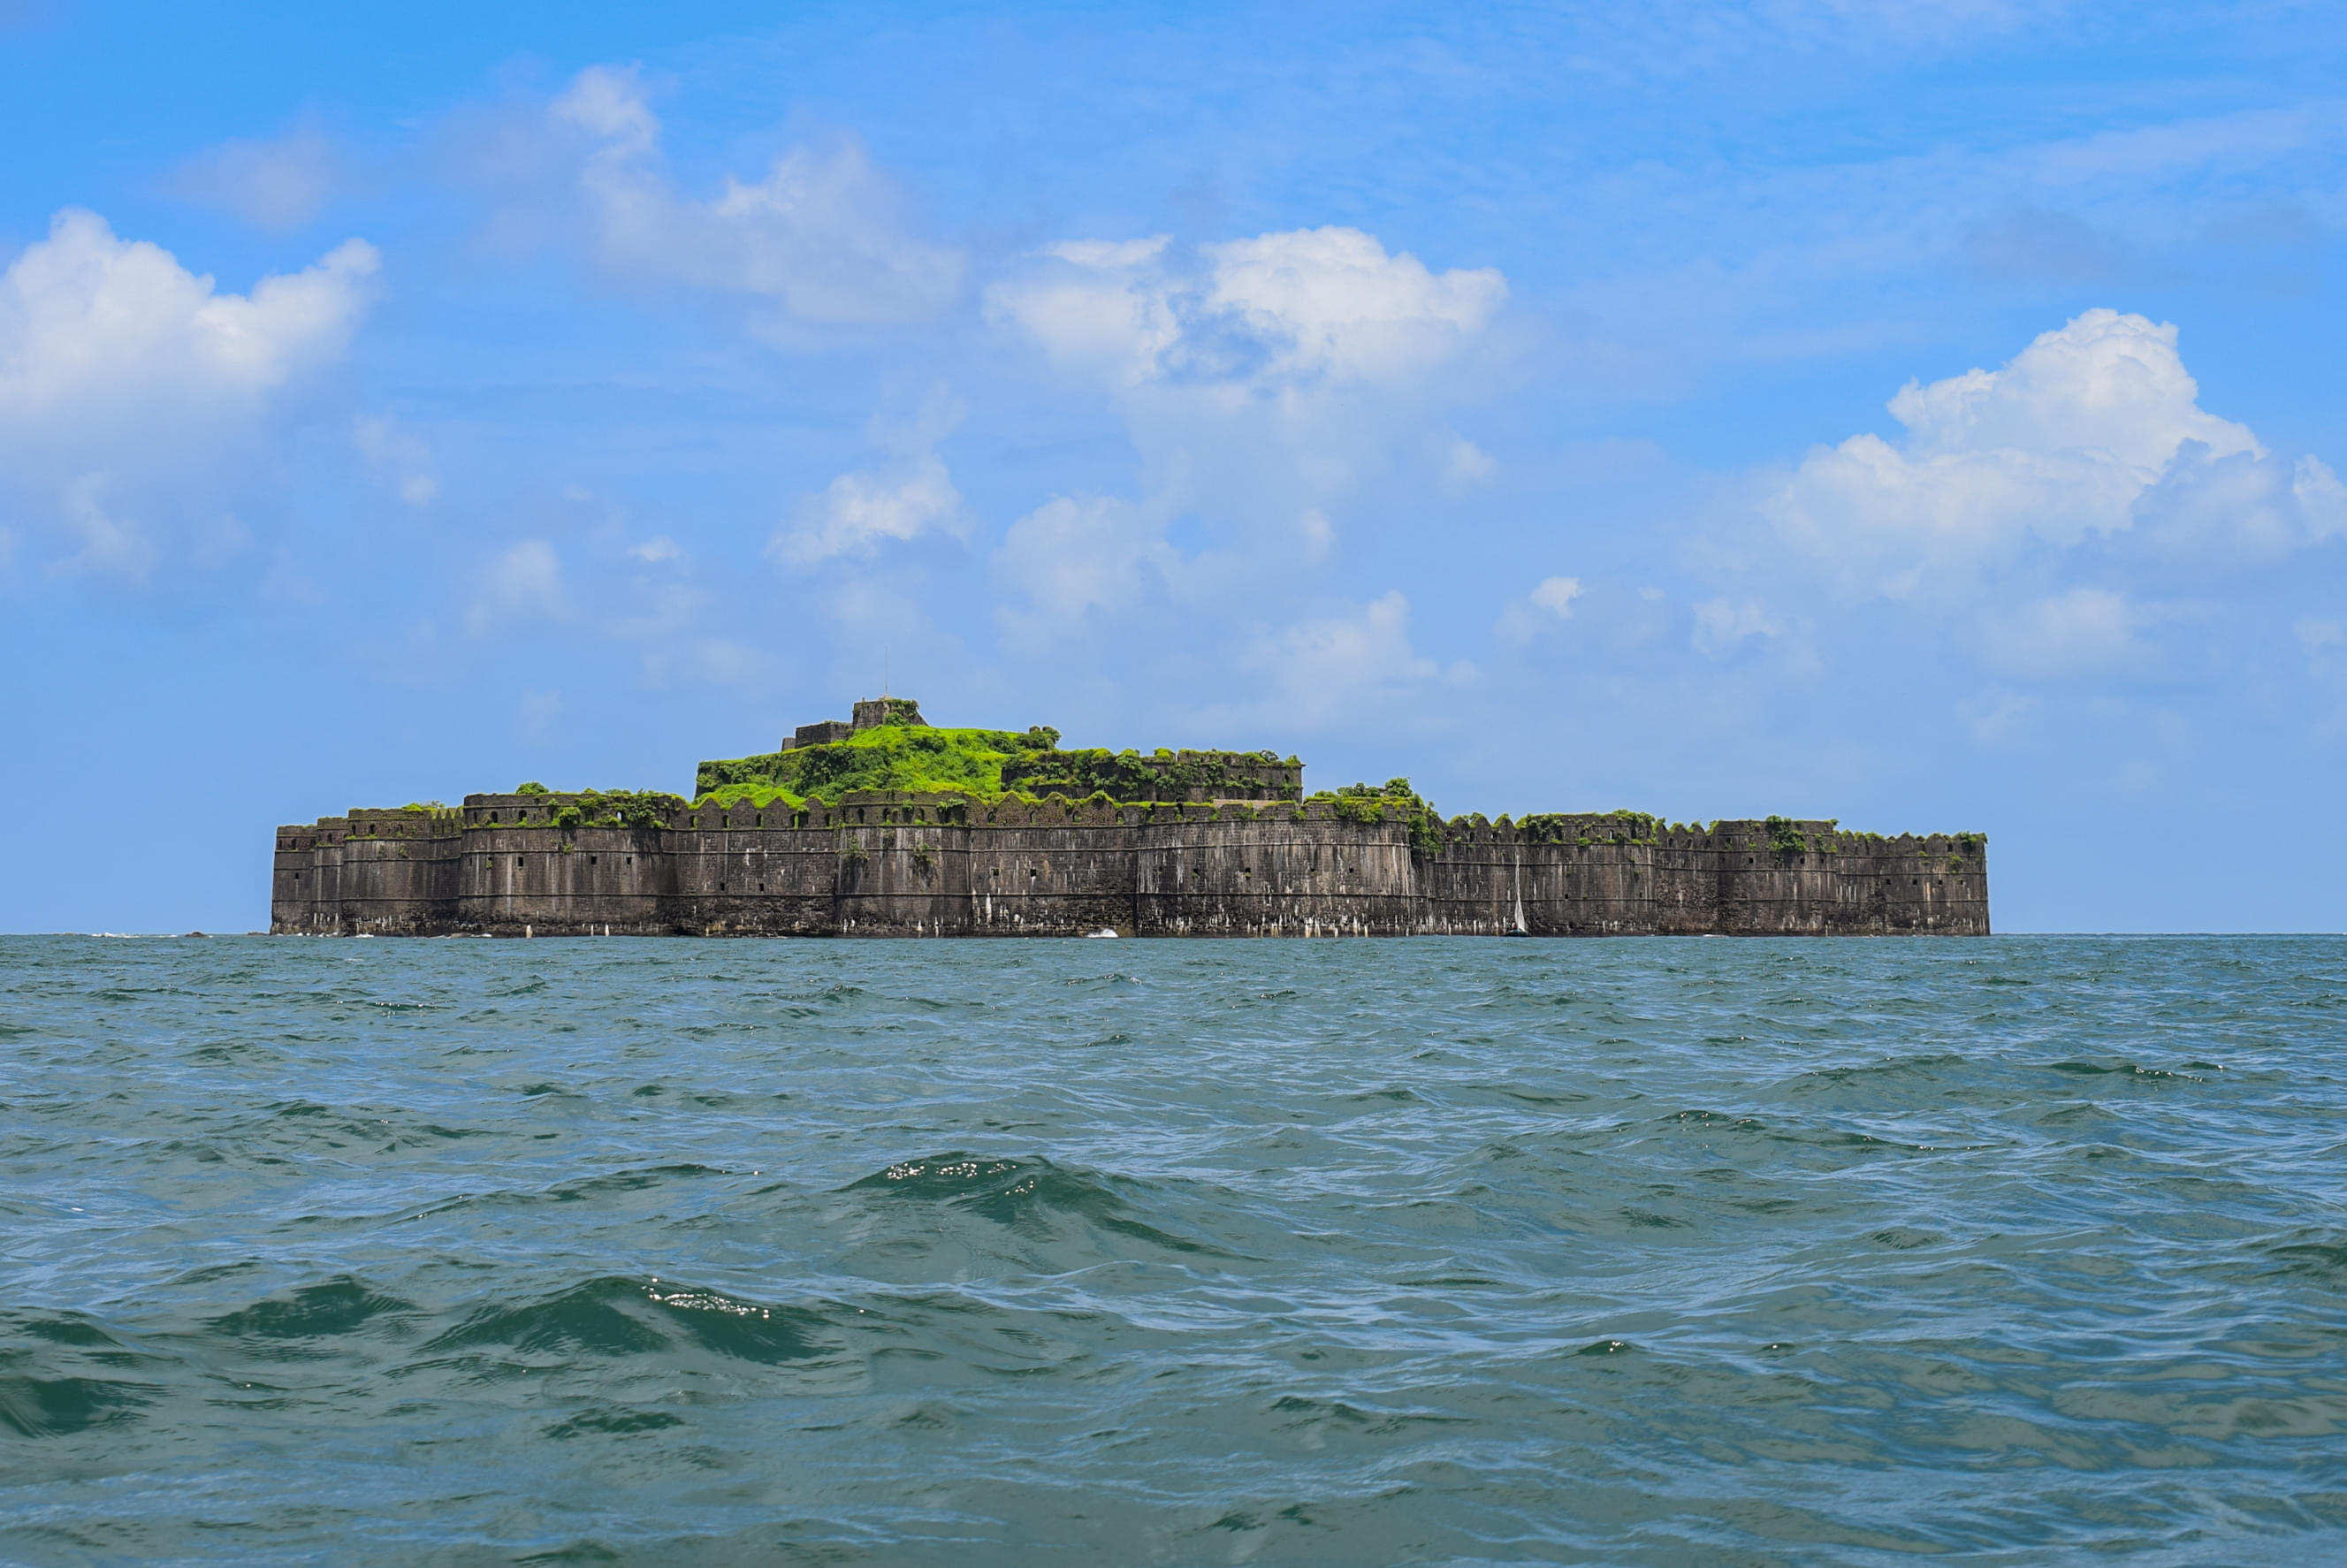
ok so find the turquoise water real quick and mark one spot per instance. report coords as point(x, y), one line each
point(2005, 1251)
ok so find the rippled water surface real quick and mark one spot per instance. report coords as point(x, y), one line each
point(2008, 1251)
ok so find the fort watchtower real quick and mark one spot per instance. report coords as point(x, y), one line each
point(869, 713)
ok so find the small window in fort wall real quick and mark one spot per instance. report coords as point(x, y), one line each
point(516, 862)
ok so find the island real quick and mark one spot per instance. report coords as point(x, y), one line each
point(883, 824)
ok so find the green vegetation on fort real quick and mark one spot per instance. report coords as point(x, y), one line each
point(1130, 776)
point(887, 756)
point(603, 808)
point(1392, 801)
point(985, 765)
point(1613, 827)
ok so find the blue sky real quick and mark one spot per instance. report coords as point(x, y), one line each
point(1922, 414)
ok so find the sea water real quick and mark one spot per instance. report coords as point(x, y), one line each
point(1669, 1251)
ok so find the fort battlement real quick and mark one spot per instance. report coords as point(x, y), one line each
point(750, 858)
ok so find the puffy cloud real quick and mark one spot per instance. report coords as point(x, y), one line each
point(95, 329)
point(1077, 554)
point(1331, 302)
point(2072, 514)
point(1303, 307)
point(1261, 381)
point(277, 184)
point(858, 511)
point(2242, 508)
point(908, 494)
point(822, 234)
point(131, 390)
point(1106, 307)
point(2093, 427)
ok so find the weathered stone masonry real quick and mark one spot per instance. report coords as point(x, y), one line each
point(896, 864)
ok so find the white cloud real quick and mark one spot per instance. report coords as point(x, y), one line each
point(652, 552)
point(2086, 631)
point(1077, 554)
point(907, 495)
point(1319, 533)
point(1302, 307)
point(276, 184)
point(2321, 498)
point(1109, 309)
point(1548, 602)
point(1556, 594)
point(1469, 464)
point(2060, 445)
point(135, 395)
point(2245, 509)
point(2065, 515)
point(1331, 302)
point(522, 584)
point(1327, 670)
point(1261, 381)
point(102, 330)
point(1720, 625)
point(110, 545)
point(822, 234)
point(858, 511)
point(397, 458)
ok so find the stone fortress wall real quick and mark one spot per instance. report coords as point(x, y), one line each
point(894, 863)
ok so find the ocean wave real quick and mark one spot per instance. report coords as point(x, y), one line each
point(1638, 1253)
point(610, 1316)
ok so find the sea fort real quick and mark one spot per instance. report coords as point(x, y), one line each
point(884, 826)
